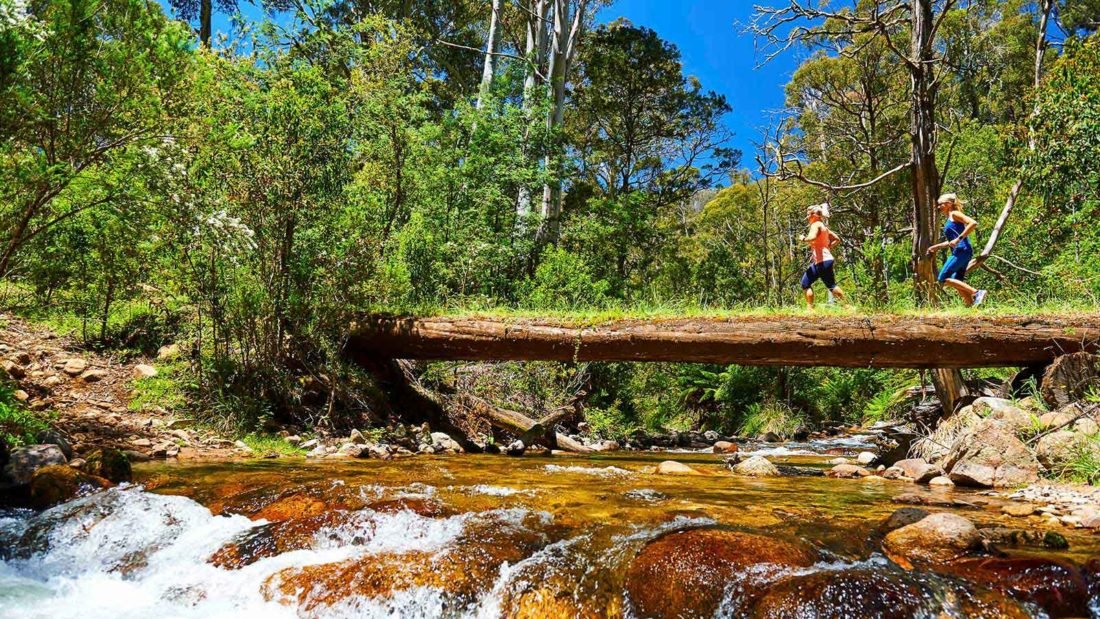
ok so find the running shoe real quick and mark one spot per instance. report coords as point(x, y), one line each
point(979, 297)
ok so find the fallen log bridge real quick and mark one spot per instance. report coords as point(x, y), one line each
point(918, 341)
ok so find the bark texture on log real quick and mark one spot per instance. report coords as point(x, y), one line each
point(933, 341)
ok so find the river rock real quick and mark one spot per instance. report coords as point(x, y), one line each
point(902, 517)
point(672, 467)
point(275, 538)
point(756, 466)
point(516, 448)
point(606, 446)
point(461, 575)
point(918, 470)
point(24, 461)
point(1058, 587)
point(443, 440)
point(845, 593)
point(936, 539)
point(941, 481)
point(354, 450)
point(110, 464)
point(711, 436)
point(1019, 509)
point(57, 483)
point(866, 458)
point(1069, 378)
point(992, 457)
point(688, 573)
point(93, 376)
point(1057, 419)
point(725, 447)
point(847, 471)
point(1014, 417)
point(1057, 449)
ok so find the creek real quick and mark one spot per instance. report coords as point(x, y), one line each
point(472, 536)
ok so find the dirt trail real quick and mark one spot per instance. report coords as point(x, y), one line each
point(87, 396)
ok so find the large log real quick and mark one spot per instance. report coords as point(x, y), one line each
point(928, 341)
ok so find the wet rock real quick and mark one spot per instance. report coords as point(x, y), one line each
point(606, 446)
point(1019, 509)
point(110, 464)
point(461, 573)
point(54, 484)
point(354, 450)
point(846, 593)
point(516, 448)
point(756, 466)
point(918, 470)
point(936, 539)
point(1056, 586)
point(724, 447)
point(294, 506)
point(24, 461)
point(672, 467)
point(847, 471)
point(689, 573)
point(142, 371)
point(866, 458)
point(941, 481)
point(992, 457)
point(1004, 536)
point(1069, 378)
point(902, 517)
point(273, 539)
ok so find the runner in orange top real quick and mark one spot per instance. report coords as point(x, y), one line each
point(820, 239)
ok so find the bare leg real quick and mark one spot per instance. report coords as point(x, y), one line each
point(965, 290)
point(809, 297)
point(838, 293)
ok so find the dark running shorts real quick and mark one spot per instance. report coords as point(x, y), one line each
point(955, 267)
point(822, 271)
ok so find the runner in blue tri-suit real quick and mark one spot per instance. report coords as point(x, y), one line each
point(956, 230)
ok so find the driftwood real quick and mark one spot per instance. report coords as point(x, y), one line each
point(528, 430)
point(933, 341)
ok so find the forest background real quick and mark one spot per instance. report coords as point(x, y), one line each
point(249, 196)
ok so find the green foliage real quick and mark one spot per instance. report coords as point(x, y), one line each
point(169, 389)
point(563, 281)
point(18, 426)
point(1084, 467)
point(263, 444)
point(771, 417)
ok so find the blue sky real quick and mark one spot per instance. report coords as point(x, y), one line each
point(709, 35)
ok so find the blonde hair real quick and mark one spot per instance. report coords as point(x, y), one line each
point(821, 210)
point(950, 197)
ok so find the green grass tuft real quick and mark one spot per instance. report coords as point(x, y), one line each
point(166, 389)
point(264, 444)
point(18, 426)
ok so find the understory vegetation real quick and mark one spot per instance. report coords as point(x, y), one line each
point(249, 197)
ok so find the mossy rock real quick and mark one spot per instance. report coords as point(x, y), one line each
point(110, 464)
point(52, 485)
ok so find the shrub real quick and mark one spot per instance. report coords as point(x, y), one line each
point(563, 281)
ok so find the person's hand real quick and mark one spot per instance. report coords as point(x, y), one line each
point(954, 243)
point(933, 249)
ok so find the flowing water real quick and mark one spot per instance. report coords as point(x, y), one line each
point(464, 536)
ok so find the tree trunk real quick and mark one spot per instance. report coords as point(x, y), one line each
point(535, 51)
point(489, 69)
point(206, 12)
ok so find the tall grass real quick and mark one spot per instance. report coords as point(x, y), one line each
point(18, 426)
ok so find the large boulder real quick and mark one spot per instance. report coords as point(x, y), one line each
point(756, 466)
point(936, 539)
point(1056, 586)
point(991, 456)
point(1014, 417)
point(110, 464)
point(1069, 378)
point(58, 483)
point(690, 573)
point(24, 461)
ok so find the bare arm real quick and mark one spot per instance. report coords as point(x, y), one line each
point(815, 228)
point(962, 218)
point(834, 239)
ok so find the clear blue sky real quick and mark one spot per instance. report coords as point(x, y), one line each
point(709, 35)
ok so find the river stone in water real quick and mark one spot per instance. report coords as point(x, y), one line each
point(756, 466)
point(688, 573)
point(24, 461)
point(843, 594)
point(1056, 586)
point(939, 538)
point(60, 483)
point(110, 464)
point(462, 572)
point(918, 470)
point(672, 467)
